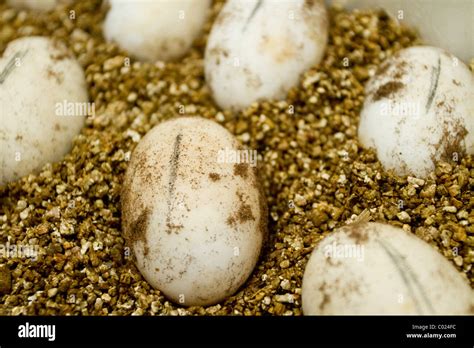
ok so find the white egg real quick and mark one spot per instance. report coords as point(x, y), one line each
point(37, 5)
point(258, 49)
point(419, 109)
point(374, 268)
point(43, 101)
point(153, 30)
point(194, 218)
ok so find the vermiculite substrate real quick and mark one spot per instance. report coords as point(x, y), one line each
point(315, 173)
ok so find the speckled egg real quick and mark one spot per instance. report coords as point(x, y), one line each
point(419, 109)
point(258, 49)
point(193, 211)
point(43, 99)
point(155, 30)
point(375, 268)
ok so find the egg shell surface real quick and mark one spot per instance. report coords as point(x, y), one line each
point(374, 268)
point(419, 109)
point(258, 49)
point(151, 30)
point(195, 220)
point(43, 103)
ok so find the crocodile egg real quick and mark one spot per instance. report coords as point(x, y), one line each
point(43, 100)
point(193, 211)
point(419, 109)
point(259, 49)
point(374, 268)
point(153, 30)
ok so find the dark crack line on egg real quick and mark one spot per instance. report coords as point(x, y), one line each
point(174, 161)
point(434, 84)
point(409, 278)
point(254, 11)
point(11, 65)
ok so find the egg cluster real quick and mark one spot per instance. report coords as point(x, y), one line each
point(192, 203)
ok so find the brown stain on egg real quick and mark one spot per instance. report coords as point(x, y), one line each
point(383, 68)
point(280, 49)
point(392, 67)
point(252, 79)
point(230, 221)
point(387, 90)
point(400, 69)
point(138, 228)
point(452, 141)
point(326, 298)
point(218, 51)
point(214, 177)
point(333, 261)
point(315, 16)
point(244, 213)
point(173, 227)
point(144, 168)
point(395, 69)
point(57, 76)
point(241, 169)
point(241, 216)
point(357, 232)
point(135, 215)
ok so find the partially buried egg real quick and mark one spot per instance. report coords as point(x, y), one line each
point(43, 104)
point(419, 109)
point(374, 268)
point(153, 30)
point(193, 210)
point(258, 49)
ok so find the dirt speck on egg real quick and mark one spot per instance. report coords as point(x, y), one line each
point(387, 90)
